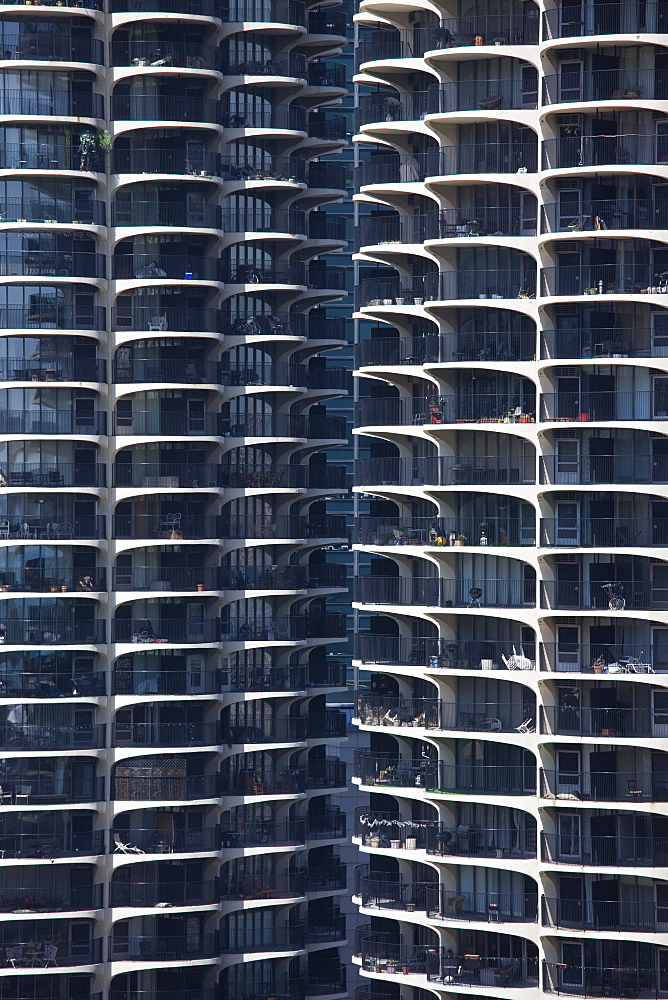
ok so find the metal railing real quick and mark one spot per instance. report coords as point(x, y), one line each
point(90, 213)
point(61, 736)
point(506, 345)
point(483, 95)
point(602, 214)
point(44, 791)
point(596, 150)
point(194, 893)
point(187, 320)
point(272, 64)
point(291, 831)
point(168, 630)
point(278, 11)
point(52, 264)
point(615, 18)
point(311, 477)
point(437, 654)
point(249, 274)
point(384, 770)
point(291, 117)
point(72, 953)
point(46, 103)
point(599, 657)
point(257, 165)
point(146, 268)
point(53, 631)
point(474, 842)
point(506, 406)
point(166, 734)
point(603, 914)
point(48, 315)
point(595, 279)
point(327, 823)
point(166, 107)
point(57, 369)
point(162, 947)
point(153, 52)
point(595, 981)
point(380, 108)
point(330, 724)
point(641, 404)
point(431, 713)
point(605, 532)
point(605, 786)
point(322, 174)
point(166, 213)
point(586, 595)
point(46, 421)
point(163, 787)
point(325, 772)
point(326, 673)
point(439, 593)
point(263, 219)
point(238, 781)
point(165, 161)
point(51, 684)
point(166, 475)
point(325, 21)
point(136, 681)
point(606, 342)
point(266, 325)
point(444, 531)
point(237, 730)
point(442, 904)
point(289, 885)
point(600, 85)
point(328, 926)
point(59, 844)
point(287, 937)
point(638, 467)
point(617, 852)
point(326, 74)
point(307, 626)
point(166, 528)
point(449, 471)
point(583, 721)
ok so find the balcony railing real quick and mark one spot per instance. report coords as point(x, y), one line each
point(598, 150)
point(444, 531)
point(278, 11)
point(62, 736)
point(61, 844)
point(291, 117)
point(383, 770)
point(153, 52)
point(593, 216)
point(46, 103)
point(431, 713)
point(268, 782)
point(166, 734)
point(617, 852)
point(312, 477)
point(166, 107)
point(326, 982)
point(448, 471)
point(614, 19)
point(597, 279)
point(382, 108)
point(511, 283)
point(27, 526)
point(327, 673)
point(327, 126)
point(438, 593)
point(155, 841)
point(166, 528)
point(605, 786)
point(286, 886)
point(586, 595)
point(327, 74)
point(135, 681)
point(162, 318)
point(514, 406)
point(600, 85)
point(594, 981)
point(381, 955)
point(330, 625)
point(249, 274)
point(145, 268)
point(475, 842)
point(176, 423)
point(583, 721)
point(325, 21)
point(605, 532)
point(52, 264)
point(90, 213)
point(594, 658)
point(47, 791)
point(603, 914)
point(606, 342)
point(258, 165)
point(284, 578)
point(166, 475)
point(322, 174)
point(325, 772)
point(162, 947)
point(330, 724)
point(271, 731)
point(262, 678)
point(293, 65)
point(641, 404)
point(52, 577)
point(56, 683)
point(194, 893)
point(288, 937)
point(51, 317)
point(266, 325)
point(46, 421)
point(283, 526)
point(291, 831)
point(47, 156)
point(263, 219)
point(438, 654)
point(507, 345)
point(599, 469)
point(326, 874)
point(167, 630)
point(442, 904)
point(326, 824)
point(483, 95)
point(34, 899)
point(53, 631)
point(327, 227)
point(165, 161)
point(176, 214)
point(164, 787)
point(322, 927)
point(85, 952)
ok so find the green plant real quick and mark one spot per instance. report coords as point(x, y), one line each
point(104, 141)
point(461, 538)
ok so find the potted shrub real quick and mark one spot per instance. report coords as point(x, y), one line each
point(460, 539)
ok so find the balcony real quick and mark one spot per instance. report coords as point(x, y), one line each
point(329, 925)
point(328, 673)
point(290, 117)
point(598, 658)
point(326, 74)
point(594, 981)
point(441, 904)
point(266, 324)
point(164, 526)
point(317, 575)
point(594, 216)
point(278, 11)
point(50, 737)
point(464, 158)
point(506, 345)
point(57, 679)
point(325, 772)
point(53, 631)
point(323, 327)
point(326, 982)
point(275, 64)
point(449, 471)
point(52, 264)
point(438, 593)
point(475, 842)
point(327, 725)
point(51, 46)
point(330, 625)
point(47, 103)
point(381, 770)
point(600, 469)
point(266, 833)
point(165, 161)
point(605, 786)
point(236, 730)
point(443, 531)
point(128, 266)
point(513, 28)
point(614, 19)
point(30, 945)
point(46, 790)
point(165, 734)
point(325, 21)
point(431, 713)
point(601, 85)
point(168, 630)
point(601, 407)
point(310, 477)
point(176, 214)
point(49, 316)
point(154, 52)
point(171, 682)
point(58, 577)
point(63, 844)
point(30, 527)
point(258, 165)
point(184, 319)
point(195, 893)
point(155, 841)
point(439, 654)
point(603, 150)
point(606, 532)
point(598, 279)
point(327, 277)
point(162, 947)
point(607, 342)
point(91, 213)
point(322, 174)
point(31, 898)
point(326, 125)
point(440, 965)
point(262, 678)
point(587, 595)
point(603, 914)
point(325, 874)
point(620, 721)
point(263, 219)
point(484, 95)
point(249, 274)
point(327, 227)
point(326, 824)
point(61, 421)
point(289, 885)
point(617, 852)
point(502, 407)
point(450, 285)
point(285, 937)
point(166, 107)
point(166, 578)
point(166, 475)
point(159, 786)
point(48, 156)
point(384, 108)
point(270, 782)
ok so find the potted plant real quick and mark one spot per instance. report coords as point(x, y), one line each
point(460, 539)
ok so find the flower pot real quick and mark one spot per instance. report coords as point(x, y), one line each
point(391, 969)
point(387, 302)
point(63, 588)
point(410, 907)
point(200, 587)
point(411, 843)
point(404, 969)
point(418, 301)
point(394, 844)
point(457, 542)
point(399, 301)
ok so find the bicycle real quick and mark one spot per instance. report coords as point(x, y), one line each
point(615, 600)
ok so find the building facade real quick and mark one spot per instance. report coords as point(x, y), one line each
point(168, 827)
point(513, 409)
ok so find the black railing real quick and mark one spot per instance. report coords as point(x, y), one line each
point(86, 952)
point(166, 213)
point(593, 216)
point(382, 955)
point(481, 842)
point(327, 74)
point(514, 28)
point(326, 673)
point(153, 52)
point(439, 593)
point(286, 886)
point(61, 736)
point(327, 227)
point(380, 108)
point(330, 625)
point(586, 595)
point(606, 342)
point(270, 782)
point(605, 532)
point(263, 219)
point(325, 772)
point(57, 843)
point(282, 526)
point(385, 830)
point(641, 404)
point(443, 904)
point(327, 125)
point(166, 734)
point(146, 268)
point(165, 161)
point(163, 786)
point(638, 467)
point(584, 721)
point(618, 852)
point(244, 677)
point(46, 421)
point(291, 117)
point(603, 914)
point(166, 107)
point(510, 405)
point(178, 423)
point(163, 947)
point(449, 471)
point(594, 981)
point(51, 683)
point(600, 85)
point(270, 731)
point(326, 824)
point(58, 369)
point(53, 631)
point(280, 11)
point(322, 927)
point(325, 21)
point(322, 174)
point(293, 65)
point(49, 314)
point(605, 786)
point(268, 833)
point(52, 264)
point(90, 213)
point(288, 937)
point(167, 526)
point(154, 841)
point(329, 873)
point(195, 893)
point(520, 153)
point(136, 681)
point(594, 279)
point(167, 630)
point(483, 95)
point(57, 155)
point(431, 713)
point(45, 791)
point(383, 770)
point(598, 658)
point(258, 165)
point(438, 654)
point(614, 19)
point(162, 318)
point(330, 724)
point(326, 982)
point(507, 345)
point(166, 475)
point(444, 531)
point(249, 274)
point(596, 150)
point(266, 325)
point(45, 103)
point(311, 477)
point(323, 327)
point(24, 525)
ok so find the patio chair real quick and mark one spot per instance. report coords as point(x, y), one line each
point(125, 848)
point(49, 952)
point(14, 955)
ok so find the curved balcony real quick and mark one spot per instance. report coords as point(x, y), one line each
point(605, 786)
point(163, 947)
point(175, 214)
point(30, 943)
point(325, 772)
point(584, 722)
point(236, 730)
point(65, 844)
point(431, 713)
point(284, 526)
point(290, 885)
point(53, 210)
point(193, 268)
point(514, 283)
point(258, 165)
point(595, 216)
point(594, 658)
point(165, 527)
point(484, 95)
point(46, 316)
point(613, 19)
point(49, 791)
point(443, 531)
point(476, 842)
point(154, 841)
point(165, 161)
point(165, 734)
point(163, 787)
point(56, 680)
point(442, 904)
point(606, 532)
point(326, 673)
point(268, 782)
point(311, 477)
point(602, 914)
point(167, 475)
point(154, 52)
point(391, 107)
point(174, 369)
point(385, 770)
point(326, 824)
point(255, 678)
point(47, 156)
point(328, 625)
point(322, 174)
point(52, 46)
point(30, 527)
point(179, 424)
point(184, 319)
point(601, 469)
point(148, 894)
point(327, 227)
point(323, 927)
point(291, 117)
point(266, 324)
point(166, 107)
point(149, 682)
point(490, 345)
point(60, 736)
point(327, 277)
point(51, 103)
point(31, 898)
point(86, 4)
point(326, 874)
point(327, 126)
point(52, 576)
point(263, 219)
point(263, 834)
point(54, 632)
point(165, 630)
point(52, 264)
point(57, 369)
point(326, 74)
point(603, 150)
point(587, 595)
point(51, 422)
point(623, 341)
point(381, 955)
point(594, 981)
point(275, 64)
point(250, 274)
point(641, 404)
point(448, 471)
point(601, 85)
point(330, 724)
point(502, 407)
point(284, 937)
point(437, 654)
point(438, 593)
point(595, 279)
point(325, 21)
point(278, 11)
point(617, 852)
point(324, 327)
point(319, 575)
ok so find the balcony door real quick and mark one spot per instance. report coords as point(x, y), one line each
point(570, 81)
point(567, 461)
point(660, 397)
point(568, 641)
point(570, 836)
point(568, 773)
point(660, 586)
point(659, 655)
point(572, 957)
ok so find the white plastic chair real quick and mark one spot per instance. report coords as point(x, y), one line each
point(49, 952)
